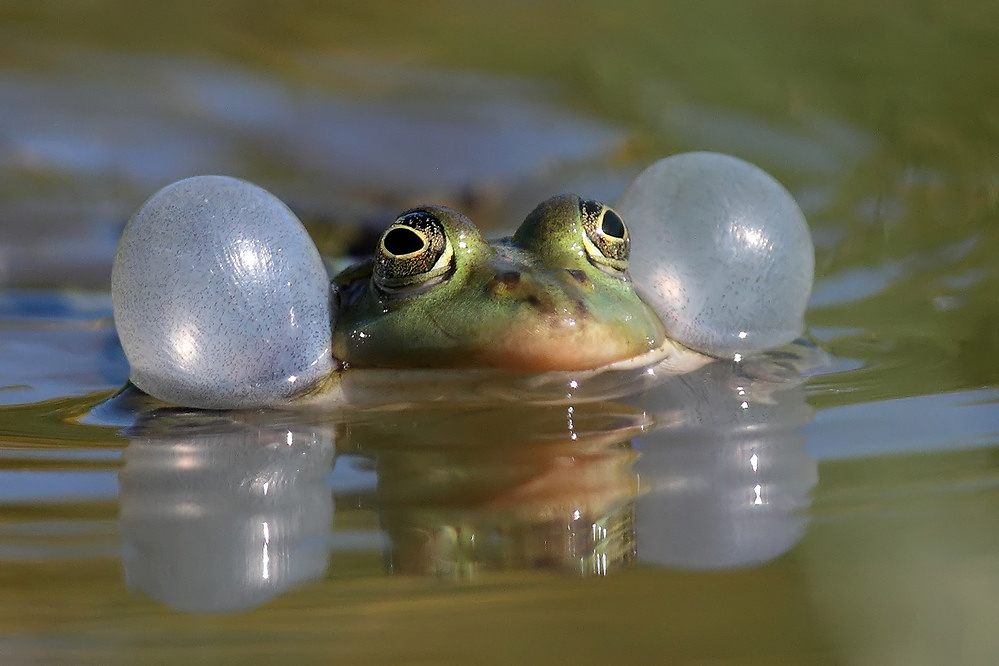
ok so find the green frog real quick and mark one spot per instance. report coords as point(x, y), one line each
point(554, 296)
point(221, 299)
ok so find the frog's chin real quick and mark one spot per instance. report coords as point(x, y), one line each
point(582, 348)
point(386, 388)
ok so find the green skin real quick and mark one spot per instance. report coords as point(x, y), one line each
point(533, 302)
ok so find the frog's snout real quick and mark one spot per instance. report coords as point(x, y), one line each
point(517, 286)
point(505, 281)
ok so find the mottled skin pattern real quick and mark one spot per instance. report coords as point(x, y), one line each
point(546, 299)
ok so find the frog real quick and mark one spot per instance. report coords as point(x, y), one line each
point(221, 299)
point(554, 295)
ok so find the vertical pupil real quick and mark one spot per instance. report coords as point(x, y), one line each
point(612, 224)
point(402, 240)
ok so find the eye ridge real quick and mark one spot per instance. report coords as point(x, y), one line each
point(609, 244)
point(413, 252)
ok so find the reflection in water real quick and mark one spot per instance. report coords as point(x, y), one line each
point(726, 477)
point(511, 487)
point(220, 514)
point(224, 511)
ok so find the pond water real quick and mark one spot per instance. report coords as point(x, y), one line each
point(821, 505)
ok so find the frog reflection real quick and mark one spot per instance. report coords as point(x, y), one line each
point(726, 478)
point(707, 471)
point(544, 487)
point(222, 512)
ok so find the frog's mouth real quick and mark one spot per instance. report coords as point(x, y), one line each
point(572, 347)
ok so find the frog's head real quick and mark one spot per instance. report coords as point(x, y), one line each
point(555, 296)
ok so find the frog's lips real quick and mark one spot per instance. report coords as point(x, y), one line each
point(572, 345)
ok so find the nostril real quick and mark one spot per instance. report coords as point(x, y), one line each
point(508, 278)
point(578, 275)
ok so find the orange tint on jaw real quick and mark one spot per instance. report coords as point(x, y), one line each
point(575, 348)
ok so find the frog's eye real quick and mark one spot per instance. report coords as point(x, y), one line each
point(606, 241)
point(413, 252)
